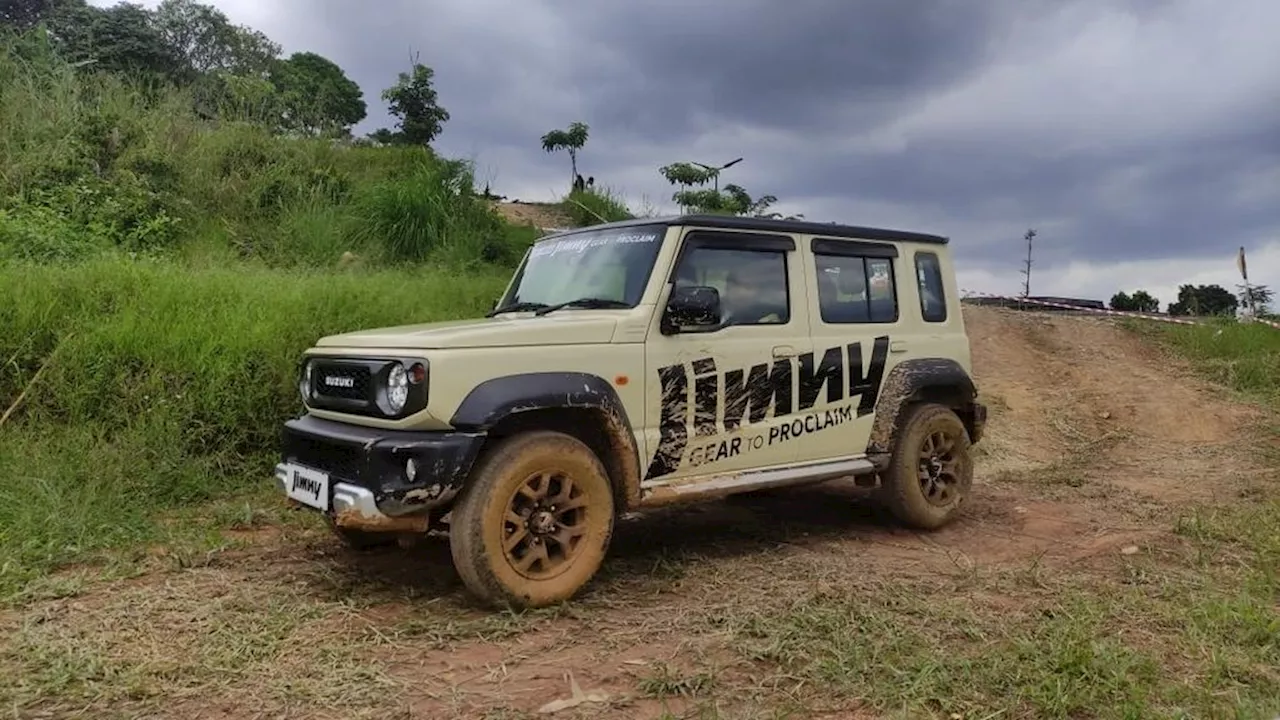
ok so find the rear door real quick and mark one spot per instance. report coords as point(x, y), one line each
point(860, 327)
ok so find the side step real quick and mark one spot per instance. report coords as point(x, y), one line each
point(717, 486)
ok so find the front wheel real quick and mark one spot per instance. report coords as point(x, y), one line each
point(534, 522)
point(930, 471)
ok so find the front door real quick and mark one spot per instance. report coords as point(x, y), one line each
point(719, 402)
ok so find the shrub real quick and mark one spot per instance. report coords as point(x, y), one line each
point(432, 213)
point(594, 206)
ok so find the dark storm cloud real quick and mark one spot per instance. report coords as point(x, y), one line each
point(1119, 128)
point(1117, 205)
point(800, 66)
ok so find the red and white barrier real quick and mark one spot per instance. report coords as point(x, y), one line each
point(1102, 311)
point(1269, 323)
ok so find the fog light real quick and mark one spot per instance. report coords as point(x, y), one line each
point(411, 469)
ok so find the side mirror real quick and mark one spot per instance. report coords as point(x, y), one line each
point(692, 308)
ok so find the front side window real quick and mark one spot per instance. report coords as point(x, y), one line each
point(933, 301)
point(752, 283)
point(612, 265)
point(854, 289)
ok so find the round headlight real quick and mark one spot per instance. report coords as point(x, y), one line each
point(397, 388)
point(304, 381)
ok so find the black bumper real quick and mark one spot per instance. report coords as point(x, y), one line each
point(377, 460)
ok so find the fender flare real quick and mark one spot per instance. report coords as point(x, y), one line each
point(934, 379)
point(495, 400)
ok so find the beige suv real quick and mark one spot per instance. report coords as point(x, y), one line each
point(638, 364)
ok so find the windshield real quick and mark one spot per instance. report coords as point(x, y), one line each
point(612, 264)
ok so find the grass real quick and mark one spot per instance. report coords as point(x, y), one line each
point(595, 205)
point(1244, 356)
point(164, 387)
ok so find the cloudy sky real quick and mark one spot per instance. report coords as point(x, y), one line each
point(1141, 138)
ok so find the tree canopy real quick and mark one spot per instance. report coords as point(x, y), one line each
point(316, 97)
point(1139, 301)
point(233, 72)
point(414, 101)
point(571, 140)
point(1204, 300)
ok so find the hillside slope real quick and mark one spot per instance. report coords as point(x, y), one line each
point(1062, 592)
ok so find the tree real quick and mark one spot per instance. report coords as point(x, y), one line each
point(1204, 300)
point(732, 200)
point(1140, 301)
point(383, 136)
point(414, 101)
point(22, 15)
point(119, 39)
point(316, 96)
point(1260, 295)
point(686, 174)
point(205, 41)
point(571, 140)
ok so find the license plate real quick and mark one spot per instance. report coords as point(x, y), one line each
point(307, 486)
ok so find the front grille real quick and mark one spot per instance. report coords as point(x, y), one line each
point(342, 380)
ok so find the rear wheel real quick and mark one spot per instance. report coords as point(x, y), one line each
point(930, 472)
point(534, 523)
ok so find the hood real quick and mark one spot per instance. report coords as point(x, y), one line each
point(566, 327)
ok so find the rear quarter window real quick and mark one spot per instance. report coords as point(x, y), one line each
point(933, 298)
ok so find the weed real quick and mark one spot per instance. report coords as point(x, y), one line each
point(595, 205)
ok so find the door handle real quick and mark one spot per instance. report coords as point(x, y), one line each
point(783, 351)
point(898, 346)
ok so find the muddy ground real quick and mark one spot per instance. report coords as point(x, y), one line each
point(1096, 441)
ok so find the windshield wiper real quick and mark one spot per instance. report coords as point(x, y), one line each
point(516, 307)
point(586, 302)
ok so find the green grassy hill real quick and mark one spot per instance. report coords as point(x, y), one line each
point(161, 274)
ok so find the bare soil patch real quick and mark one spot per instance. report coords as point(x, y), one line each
point(1095, 442)
point(547, 216)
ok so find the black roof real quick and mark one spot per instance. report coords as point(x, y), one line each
point(756, 224)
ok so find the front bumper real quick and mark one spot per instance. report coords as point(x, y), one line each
point(360, 476)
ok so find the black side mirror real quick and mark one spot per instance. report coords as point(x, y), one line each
point(692, 308)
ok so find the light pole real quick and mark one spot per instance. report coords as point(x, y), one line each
point(715, 171)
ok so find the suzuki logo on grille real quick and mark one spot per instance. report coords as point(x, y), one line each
point(339, 381)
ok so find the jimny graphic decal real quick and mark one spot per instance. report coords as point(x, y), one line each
point(752, 396)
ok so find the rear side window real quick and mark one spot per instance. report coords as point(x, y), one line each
point(933, 300)
point(855, 289)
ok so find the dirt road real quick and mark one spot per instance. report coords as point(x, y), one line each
point(1095, 442)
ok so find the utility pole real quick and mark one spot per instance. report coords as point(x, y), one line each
point(1026, 284)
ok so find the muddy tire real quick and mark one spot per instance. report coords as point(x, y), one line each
point(361, 540)
point(930, 472)
point(534, 523)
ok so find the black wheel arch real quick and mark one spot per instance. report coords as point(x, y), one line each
point(583, 405)
point(924, 380)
